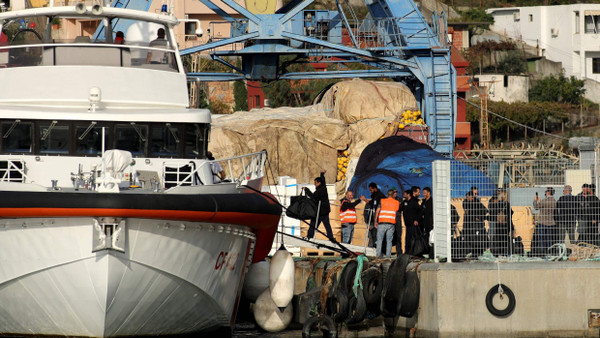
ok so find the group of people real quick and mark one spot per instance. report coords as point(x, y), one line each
point(383, 215)
point(559, 219)
point(498, 237)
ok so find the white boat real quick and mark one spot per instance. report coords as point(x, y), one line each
point(134, 240)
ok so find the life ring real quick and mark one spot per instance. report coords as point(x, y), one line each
point(337, 306)
point(347, 276)
point(506, 291)
point(357, 308)
point(327, 326)
point(410, 295)
point(393, 286)
point(372, 281)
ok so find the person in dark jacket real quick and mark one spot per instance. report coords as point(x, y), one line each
point(321, 199)
point(370, 209)
point(473, 225)
point(412, 214)
point(566, 215)
point(500, 221)
point(427, 214)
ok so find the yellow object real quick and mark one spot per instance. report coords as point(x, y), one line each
point(261, 6)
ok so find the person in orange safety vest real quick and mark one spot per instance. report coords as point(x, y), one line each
point(348, 216)
point(385, 220)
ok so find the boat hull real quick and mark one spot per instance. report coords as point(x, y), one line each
point(173, 277)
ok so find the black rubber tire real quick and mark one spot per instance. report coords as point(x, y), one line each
point(310, 325)
point(329, 328)
point(489, 301)
point(357, 308)
point(347, 276)
point(410, 297)
point(337, 306)
point(391, 296)
point(372, 281)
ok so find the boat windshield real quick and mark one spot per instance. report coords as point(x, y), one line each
point(84, 138)
point(54, 41)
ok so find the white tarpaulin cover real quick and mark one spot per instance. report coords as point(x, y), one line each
point(301, 142)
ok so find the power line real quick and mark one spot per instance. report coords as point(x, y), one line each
point(515, 122)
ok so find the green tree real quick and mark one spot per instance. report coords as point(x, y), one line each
point(558, 89)
point(240, 95)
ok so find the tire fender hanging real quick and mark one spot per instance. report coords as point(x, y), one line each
point(504, 291)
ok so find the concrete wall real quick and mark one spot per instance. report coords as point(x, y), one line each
point(592, 90)
point(552, 298)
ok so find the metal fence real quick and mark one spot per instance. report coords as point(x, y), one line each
point(529, 208)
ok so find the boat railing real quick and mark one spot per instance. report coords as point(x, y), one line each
point(13, 171)
point(88, 54)
point(239, 170)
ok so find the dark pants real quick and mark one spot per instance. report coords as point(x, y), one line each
point(567, 228)
point(544, 237)
point(372, 236)
point(411, 236)
point(398, 238)
point(325, 220)
point(588, 232)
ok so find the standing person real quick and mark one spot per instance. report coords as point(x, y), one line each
point(416, 192)
point(589, 205)
point(321, 199)
point(412, 215)
point(370, 209)
point(386, 221)
point(155, 56)
point(427, 212)
point(217, 171)
point(500, 224)
point(567, 208)
point(348, 216)
point(474, 226)
point(546, 227)
point(120, 38)
point(406, 195)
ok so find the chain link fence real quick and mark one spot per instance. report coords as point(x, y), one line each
point(524, 207)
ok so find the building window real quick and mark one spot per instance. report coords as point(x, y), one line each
point(592, 24)
point(596, 65)
point(530, 17)
point(577, 23)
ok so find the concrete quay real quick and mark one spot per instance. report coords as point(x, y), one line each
point(559, 299)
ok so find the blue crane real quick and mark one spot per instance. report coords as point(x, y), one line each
point(394, 41)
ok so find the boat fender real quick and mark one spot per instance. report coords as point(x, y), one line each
point(281, 277)
point(268, 315)
point(256, 280)
point(357, 308)
point(409, 304)
point(326, 324)
point(337, 305)
point(346, 280)
point(393, 286)
point(504, 291)
point(372, 281)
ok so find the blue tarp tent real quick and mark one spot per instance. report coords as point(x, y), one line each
point(399, 162)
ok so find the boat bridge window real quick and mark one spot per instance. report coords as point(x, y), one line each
point(84, 138)
point(17, 137)
point(31, 44)
point(54, 138)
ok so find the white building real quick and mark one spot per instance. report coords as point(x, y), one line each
point(569, 34)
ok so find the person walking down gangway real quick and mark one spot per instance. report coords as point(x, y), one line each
point(386, 222)
point(321, 199)
point(348, 216)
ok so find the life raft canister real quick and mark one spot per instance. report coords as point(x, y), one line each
point(389, 207)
